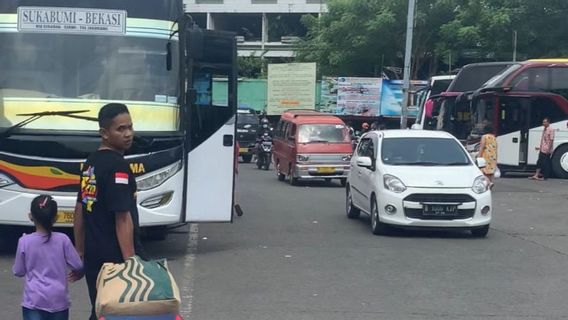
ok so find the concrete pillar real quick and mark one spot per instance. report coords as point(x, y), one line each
point(264, 29)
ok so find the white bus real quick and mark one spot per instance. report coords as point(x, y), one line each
point(514, 103)
point(61, 61)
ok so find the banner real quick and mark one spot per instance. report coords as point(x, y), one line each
point(328, 95)
point(359, 96)
point(291, 86)
point(392, 97)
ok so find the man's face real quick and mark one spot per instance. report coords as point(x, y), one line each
point(545, 123)
point(120, 134)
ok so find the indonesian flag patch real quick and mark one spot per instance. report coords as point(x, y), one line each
point(121, 178)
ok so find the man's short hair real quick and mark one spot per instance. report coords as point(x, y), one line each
point(109, 111)
point(547, 119)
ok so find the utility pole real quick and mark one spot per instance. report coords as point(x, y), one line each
point(515, 45)
point(407, 60)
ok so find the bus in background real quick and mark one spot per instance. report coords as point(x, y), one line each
point(436, 85)
point(62, 60)
point(451, 109)
point(514, 104)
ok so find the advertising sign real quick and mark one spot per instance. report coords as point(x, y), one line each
point(359, 96)
point(392, 97)
point(328, 95)
point(291, 86)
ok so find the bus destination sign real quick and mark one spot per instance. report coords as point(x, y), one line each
point(71, 20)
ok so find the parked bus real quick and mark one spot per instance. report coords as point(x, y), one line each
point(514, 103)
point(436, 85)
point(62, 60)
point(451, 109)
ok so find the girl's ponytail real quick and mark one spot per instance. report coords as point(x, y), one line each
point(44, 212)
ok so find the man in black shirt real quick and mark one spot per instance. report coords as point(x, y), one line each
point(105, 215)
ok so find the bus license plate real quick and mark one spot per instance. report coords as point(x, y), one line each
point(439, 210)
point(243, 150)
point(326, 170)
point(65, 216)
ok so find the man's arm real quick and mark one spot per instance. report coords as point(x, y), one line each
point(79, 230)
point(125, 233)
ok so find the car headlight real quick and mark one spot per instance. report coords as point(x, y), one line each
point(480, 184)
point(154, 179)
point(302, 158)
point(393, 183)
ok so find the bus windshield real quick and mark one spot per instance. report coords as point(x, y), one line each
point(71, 66)
point(65, 71)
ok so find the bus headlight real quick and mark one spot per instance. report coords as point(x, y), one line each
point(5, 181)
point(156, 178)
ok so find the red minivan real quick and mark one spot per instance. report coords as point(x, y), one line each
point(311, 145)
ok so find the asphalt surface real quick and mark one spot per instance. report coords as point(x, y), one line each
point(294, 255)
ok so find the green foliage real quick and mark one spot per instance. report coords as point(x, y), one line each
point(252, 67)
point(359, 37)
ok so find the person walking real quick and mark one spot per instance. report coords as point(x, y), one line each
point(106, 216)
point(543, 165)
point(488, 151)
point(43, 258)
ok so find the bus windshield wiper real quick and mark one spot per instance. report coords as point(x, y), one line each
point(37, 115)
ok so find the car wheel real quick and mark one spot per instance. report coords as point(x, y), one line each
point(352, 211)
point(377, 227)
point(247, 158)
point(480, 232)
point(343, 182)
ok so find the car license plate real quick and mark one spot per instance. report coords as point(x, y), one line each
point(326, 170)
point(440, 210)
point(243, 149)
point(65, 216)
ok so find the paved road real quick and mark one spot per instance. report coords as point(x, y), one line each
point(294, 255)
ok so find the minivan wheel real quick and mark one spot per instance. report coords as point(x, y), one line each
point(279, 174)
point(352, 211)
point(480, 232)
point(292, 180)
point(377, 227)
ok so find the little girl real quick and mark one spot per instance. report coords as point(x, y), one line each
point(43, 258)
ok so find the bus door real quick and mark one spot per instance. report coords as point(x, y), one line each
point(210, 128)
point(540, 107)
point(512, 130)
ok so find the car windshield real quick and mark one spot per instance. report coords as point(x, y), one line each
point(314, 133)
point(423, 151)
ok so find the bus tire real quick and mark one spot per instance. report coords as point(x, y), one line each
point(560, 162)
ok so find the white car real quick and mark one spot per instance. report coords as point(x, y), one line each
point(417, 179)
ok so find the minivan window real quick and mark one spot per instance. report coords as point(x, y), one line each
point(314, 133)
point(423, 151)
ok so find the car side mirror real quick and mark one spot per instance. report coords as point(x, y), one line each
point(481, 162)
point(365, 162)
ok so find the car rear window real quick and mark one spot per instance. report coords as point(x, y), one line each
point(423, 151)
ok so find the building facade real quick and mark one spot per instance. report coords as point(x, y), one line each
point(267, 28)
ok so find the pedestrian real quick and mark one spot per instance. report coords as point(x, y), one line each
point(488, 151)
point(543, 165)
point(43, 258)
point(364, 128)
point(106, 216)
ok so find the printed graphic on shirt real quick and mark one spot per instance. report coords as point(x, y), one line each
point(89, 188)
point(121, 178)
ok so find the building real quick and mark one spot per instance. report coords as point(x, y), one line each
point(267, 28)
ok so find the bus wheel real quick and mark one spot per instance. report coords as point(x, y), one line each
point(247, 158)
point(560, 162)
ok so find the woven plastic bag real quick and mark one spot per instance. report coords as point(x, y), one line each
point(136, 287)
